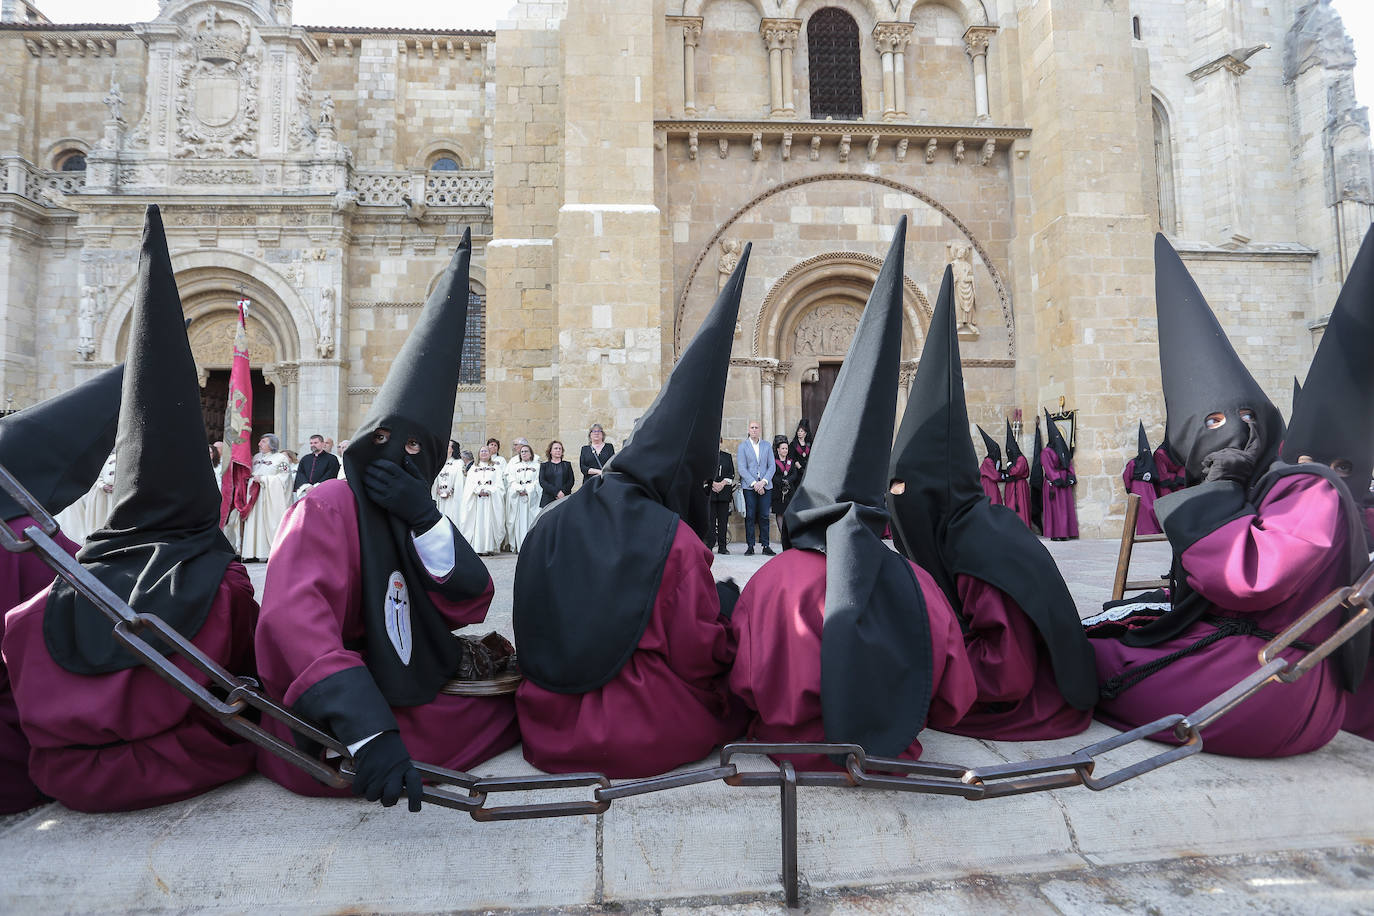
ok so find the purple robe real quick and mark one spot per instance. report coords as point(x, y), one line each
point(1018, 491)
point(311, 615)
point(1269, 567)
point(22, 575)
point(777, 673)
point(1170, 473)
point(1059, 517)
point(1145, 522)
point(1359, 708)
point(1017, 696)
point(991, 479)
point(668, 705)
point(128, 739)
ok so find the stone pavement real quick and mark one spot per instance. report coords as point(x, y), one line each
point(1208, 834)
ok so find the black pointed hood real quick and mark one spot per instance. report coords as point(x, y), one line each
point(1056, 442)
point(620, 526)
point(676, 441)
point(876, 637)
point(1144, 467)
point(1333, 416)
point(1037, 474)
point(993, 450)
point(161, 548)
point(1202, 374)
point(411, 655)
point(944, 522)
point(57, 448)
point(1013, 447)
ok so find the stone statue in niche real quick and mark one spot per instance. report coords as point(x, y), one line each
point(730, 250)
point(960, 256)
point(826, 330)
point(324, 341)
point(85, 323)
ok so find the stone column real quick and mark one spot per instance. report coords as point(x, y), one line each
point(790, 29)
point(976, 41)
point(767, 376)
point(691, 35)
point(772, 40)
point(891, 39)
point(779, 389)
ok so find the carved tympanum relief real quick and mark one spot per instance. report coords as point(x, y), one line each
point(826, 330)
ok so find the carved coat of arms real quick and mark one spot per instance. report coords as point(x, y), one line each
point(217, 88)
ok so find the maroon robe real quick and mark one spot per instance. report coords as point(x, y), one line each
point(1270, 567)
point(1145, 522)
point(1018, 699)
point(1059, 517)
point(1018, 491)
point(667, 706)
point(311, 615)
point(1359, 708)
point(777, 673)
point(128, 739)
point(1168, 470)
point(991, 479)
point(22, 575)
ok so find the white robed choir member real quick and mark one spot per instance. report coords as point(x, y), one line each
point(272, 473)
point(484, 506)
point(100, 500)
point(522, 496)
point(448, 491)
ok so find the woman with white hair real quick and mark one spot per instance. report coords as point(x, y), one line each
point(272, 477)
point(484, 511)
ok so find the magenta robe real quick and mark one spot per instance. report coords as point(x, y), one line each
point(22, 575)
point(1018, 699)
point(312, 613)
point(1270, 567)
point(1168, 469)
point(128, 739)
point(1017, 487)
point(1060, 514)
point(778, 622)
point(1145, 522)
point(667, 706)
point(991, 479)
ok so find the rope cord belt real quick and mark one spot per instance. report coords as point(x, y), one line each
point(236, 701)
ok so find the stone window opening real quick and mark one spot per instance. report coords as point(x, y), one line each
point(71, 160)
point(473, 365)
point(833, 65)
point(445, 162)
point(1135, 27)
point(1164, 168)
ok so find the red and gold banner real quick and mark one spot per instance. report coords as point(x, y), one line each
point(237, 491)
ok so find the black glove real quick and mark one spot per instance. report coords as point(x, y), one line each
point(1237, 464)
point(402, 493)
point(1071, 482)
point(728, 592)
point(383, 771)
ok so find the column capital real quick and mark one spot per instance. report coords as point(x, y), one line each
point(892, 37)
point(691, 28)
point(977, 38)
point(779, 34)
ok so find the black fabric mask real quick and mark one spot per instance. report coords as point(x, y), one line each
point(994, 451)
point(612, 536)
point(1056, 442)
point(1333, 416)
point(1203, 375)
point(57, 448)
point(876, 668)
point(161, 548)
point(1144, 467)
point(411, 651)
point(945, 524)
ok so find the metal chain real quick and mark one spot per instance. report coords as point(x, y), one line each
point(228, 697)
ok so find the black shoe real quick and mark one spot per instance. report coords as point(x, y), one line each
point(723, 551)
point(768, 552)
point(748, 551)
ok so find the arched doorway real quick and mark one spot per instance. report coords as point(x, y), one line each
point(212, 339)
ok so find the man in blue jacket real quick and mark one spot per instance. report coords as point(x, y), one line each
point(754, 462)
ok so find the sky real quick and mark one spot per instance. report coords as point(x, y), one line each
point(483, 14)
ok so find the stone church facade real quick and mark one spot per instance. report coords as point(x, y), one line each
point(613, 157)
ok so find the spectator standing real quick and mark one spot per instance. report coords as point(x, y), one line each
point(315, 468)
point(272, 474)
point(722, 494)
point(494, 451)
point(556, 476)
point(483, 502)
point(754, 461)
point(522, 495)
point(800, 446)
point(786, 475)
point(448, 487)
point(595, 454)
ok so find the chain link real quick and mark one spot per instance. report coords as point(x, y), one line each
point(228, 698)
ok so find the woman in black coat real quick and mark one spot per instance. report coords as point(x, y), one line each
point(786, 476)
point(595, 455)
point(555, 475)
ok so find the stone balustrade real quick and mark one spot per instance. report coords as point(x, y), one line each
point(42, 186)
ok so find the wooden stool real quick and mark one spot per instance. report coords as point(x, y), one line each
point(1123, 559)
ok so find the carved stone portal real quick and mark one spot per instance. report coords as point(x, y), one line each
point(212, 341)
point(826, 330)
